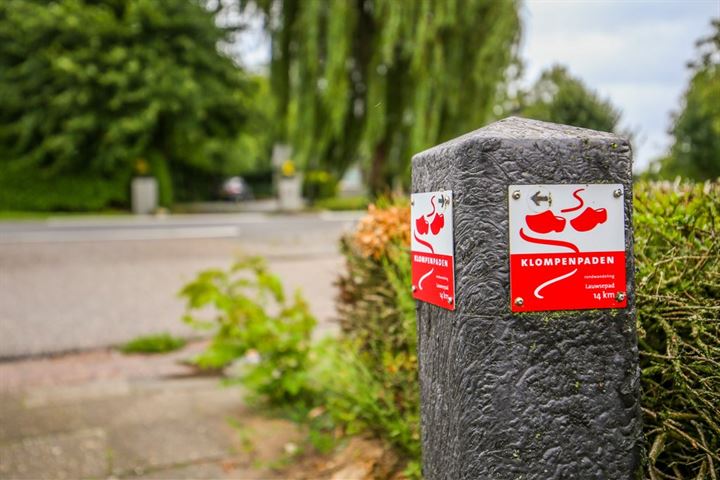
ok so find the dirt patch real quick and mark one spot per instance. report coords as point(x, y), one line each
point(360, 459)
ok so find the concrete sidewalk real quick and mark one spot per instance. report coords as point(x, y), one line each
point(105, 415)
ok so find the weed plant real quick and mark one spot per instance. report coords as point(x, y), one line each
point(158, 343)
point(255, 324)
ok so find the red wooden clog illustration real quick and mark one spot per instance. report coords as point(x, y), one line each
point(421, 225)
point(545, 222)
point(438, 223)
point(589, 219)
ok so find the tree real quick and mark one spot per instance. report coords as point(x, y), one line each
point(378, 80)
point(91, 88)
point(559, 97)
point(696, 151)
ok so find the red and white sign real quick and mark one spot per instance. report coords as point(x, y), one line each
point(567, 247)
point(431, 245)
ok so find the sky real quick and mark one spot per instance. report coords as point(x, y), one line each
point(632, 52)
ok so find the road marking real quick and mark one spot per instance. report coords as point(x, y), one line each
point(101, 235)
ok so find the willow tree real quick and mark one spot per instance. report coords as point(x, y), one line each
point(377, 80)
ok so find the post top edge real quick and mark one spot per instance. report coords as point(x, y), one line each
point(519, 128)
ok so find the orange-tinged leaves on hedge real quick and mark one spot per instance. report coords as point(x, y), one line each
point(380, 227)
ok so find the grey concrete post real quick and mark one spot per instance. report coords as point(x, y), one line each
point(543, 395)
point(144, 195)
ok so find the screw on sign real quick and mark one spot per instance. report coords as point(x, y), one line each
point(433, 270)
point(567, 247)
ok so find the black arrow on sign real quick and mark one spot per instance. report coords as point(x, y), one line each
point(537, 198)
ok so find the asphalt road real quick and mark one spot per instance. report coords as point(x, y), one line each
point(74, 284)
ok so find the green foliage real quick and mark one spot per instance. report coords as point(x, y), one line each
point(356, 400)
point(343, 203)
point(31, 190)
point(161, 171)
point(18, 215)
point(559, 97)
point(696, 151)
point(375, 309)
point(331, 385)
point(378, 80)
point(677, 250)
point(377, 313)
point(319, 185)
point(254, 321)
point(159, 343)
point(21, 215)
point(89, 87)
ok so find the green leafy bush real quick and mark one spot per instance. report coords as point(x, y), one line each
point(319, 184)
point(378, 391)
point(253, 320)
point(343, 203)
point(159, 343)
point(377, 314)
point(332, 385)
point(352, 399)
point(677, 251)
point(88, 87)
point(29, 189)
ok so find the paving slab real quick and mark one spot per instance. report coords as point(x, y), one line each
point(74, 455)
point(94, 366)
point(19, 422)
point(141, 447)
point(140, 427)
point(73, 394)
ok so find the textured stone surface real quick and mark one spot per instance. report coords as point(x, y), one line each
point(547, 395)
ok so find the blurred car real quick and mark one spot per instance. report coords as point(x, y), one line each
point(236, 189)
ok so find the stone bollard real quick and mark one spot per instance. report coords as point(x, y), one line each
point(528, 356)
point(290, 193)
point(144, 195)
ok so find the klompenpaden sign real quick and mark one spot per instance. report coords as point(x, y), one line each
point(567, 247)
point(433, 263)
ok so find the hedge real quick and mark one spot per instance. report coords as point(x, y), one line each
point(35, 191)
